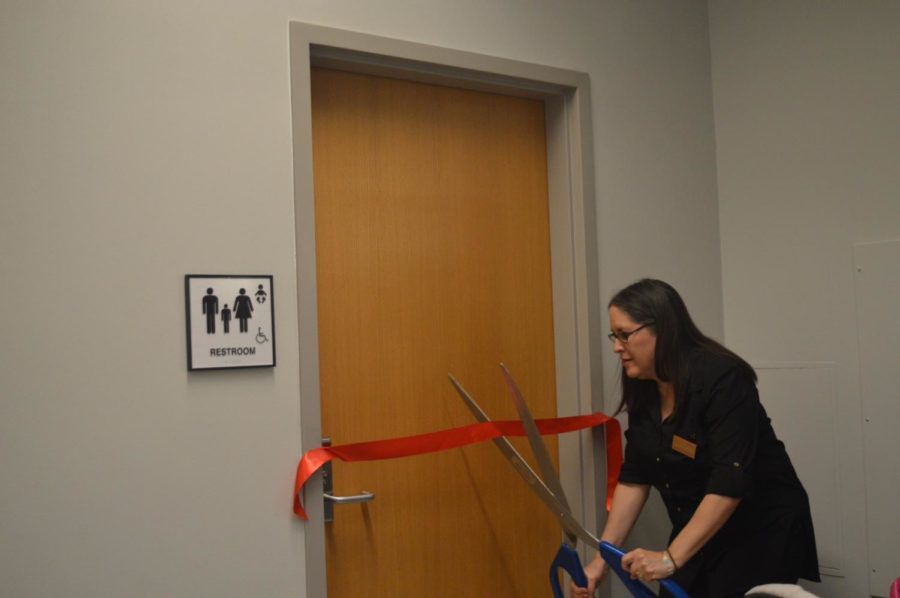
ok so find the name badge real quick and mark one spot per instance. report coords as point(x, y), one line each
point(684, 446)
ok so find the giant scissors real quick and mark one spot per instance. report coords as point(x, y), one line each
point(549, 489)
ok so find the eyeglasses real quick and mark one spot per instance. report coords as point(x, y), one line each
point(623, 337)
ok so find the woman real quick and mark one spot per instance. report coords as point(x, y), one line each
point(243, 309)
point(698, 434)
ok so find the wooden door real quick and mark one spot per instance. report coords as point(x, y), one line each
point(433, 256)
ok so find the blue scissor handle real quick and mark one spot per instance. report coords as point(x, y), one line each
point(567, 558)
point(673, 588)
point(613, 556)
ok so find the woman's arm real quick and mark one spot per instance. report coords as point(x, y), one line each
point(712, 513)
point(628, 501)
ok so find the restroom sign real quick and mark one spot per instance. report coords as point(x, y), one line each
point(230, 321)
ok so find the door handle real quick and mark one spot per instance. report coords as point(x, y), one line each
point(328, 485)
point(363, 496)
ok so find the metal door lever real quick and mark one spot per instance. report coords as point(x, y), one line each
point(331, 499)
point(363, 496)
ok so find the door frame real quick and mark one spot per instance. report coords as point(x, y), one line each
point(578, 316)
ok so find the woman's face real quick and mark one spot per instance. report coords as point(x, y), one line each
point(639, 351)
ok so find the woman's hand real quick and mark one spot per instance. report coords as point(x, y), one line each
point(595, 572)
point(647, 565)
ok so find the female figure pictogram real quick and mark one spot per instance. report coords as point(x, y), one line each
point(243, 309)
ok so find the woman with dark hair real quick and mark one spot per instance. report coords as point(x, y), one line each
point(698, 434)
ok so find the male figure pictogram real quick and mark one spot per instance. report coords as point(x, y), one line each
point(210, 308)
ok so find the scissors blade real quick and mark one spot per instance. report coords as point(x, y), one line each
point(551, 479)
point(570, 525)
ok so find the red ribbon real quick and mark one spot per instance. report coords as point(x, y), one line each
point(458, 437)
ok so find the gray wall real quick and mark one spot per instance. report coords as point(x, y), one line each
point(658, 214)
point(141, 142)
point(808, 134)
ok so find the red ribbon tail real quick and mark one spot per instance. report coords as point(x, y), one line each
point(613, 433)
point(309, 464)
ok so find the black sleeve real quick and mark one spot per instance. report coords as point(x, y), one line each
point(732, 424)
point(632, 471)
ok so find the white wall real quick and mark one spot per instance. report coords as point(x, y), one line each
point(808, 134)
point(655, 151)
point(144, 141)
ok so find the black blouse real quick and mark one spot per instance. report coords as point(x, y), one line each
point(720, 441)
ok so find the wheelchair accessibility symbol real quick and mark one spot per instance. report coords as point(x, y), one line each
point(261, 336)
